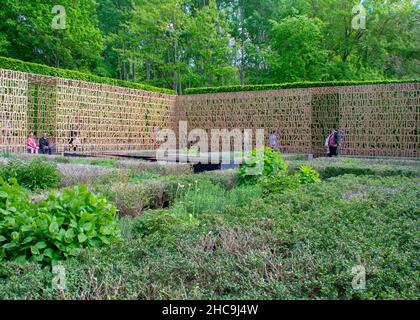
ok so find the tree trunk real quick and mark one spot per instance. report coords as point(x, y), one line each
point(242, 36)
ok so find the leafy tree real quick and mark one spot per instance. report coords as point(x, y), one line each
point(298, 50)
point(27, 29)
point(207, 49)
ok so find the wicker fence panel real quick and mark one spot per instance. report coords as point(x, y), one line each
point(288, 111)
point(42, 102)
point(325, 117)
point(13, 111)
point(381, 121)
point(100, 117)
point(375, 120)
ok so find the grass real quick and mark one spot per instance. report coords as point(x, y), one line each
point(202, 237)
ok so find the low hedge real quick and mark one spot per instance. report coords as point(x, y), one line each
point(292, 85)
point(335, 168)
point(18, 65)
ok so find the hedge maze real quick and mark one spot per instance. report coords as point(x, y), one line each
point(376, 119)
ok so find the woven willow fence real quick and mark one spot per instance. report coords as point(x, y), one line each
point(14, 110)
point(107, 118)
point(79, 116)
point(377, 120)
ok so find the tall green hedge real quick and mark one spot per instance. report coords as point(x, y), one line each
point(293, 85)
point(18, 65)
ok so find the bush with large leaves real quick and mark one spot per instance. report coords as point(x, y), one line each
point(260, 163)
point(268, 169)
point(58, 227)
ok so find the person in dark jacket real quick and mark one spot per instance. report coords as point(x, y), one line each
point(44, 144)
point(333, 143)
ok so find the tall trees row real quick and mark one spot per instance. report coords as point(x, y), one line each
point(189, 43)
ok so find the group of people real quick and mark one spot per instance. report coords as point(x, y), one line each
point(42, 147)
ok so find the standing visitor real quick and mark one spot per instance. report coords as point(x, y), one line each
point(44, 144)
point(31, 144)
point(273, 138)
point(332, 142)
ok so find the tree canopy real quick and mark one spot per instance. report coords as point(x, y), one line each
point(181, 44)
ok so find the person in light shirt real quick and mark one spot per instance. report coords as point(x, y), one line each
point(31, 145)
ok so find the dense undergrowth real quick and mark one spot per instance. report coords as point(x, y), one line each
point(209, 237)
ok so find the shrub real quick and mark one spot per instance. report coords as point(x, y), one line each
point(293, 85)
point(163, 224)
point(107, 163)
point(169, 169)
point(200, 197)
point(62, 160)
point(73, 174)
point(36, 173)
point(56, 228)
point(242, 195)
point(329, 168)
point(253, 168)
point(135, 196)
point(307, 175)
point(295, 245)
point(279, 183)
point(132, 198)
point(273, 175)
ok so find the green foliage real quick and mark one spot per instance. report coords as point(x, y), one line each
point(107, 163)
point(139, 194)
point(301, 37)
point(186, 44)
point(273, 174)
point(307, 175)
point(294, 85)
point(17, 65)
point(278, 183)
point(56, 228)
point(199, 197)
point(62, 160)
point(37, 173)
point(328, 168)
point(260, 163)
point(301, 244)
